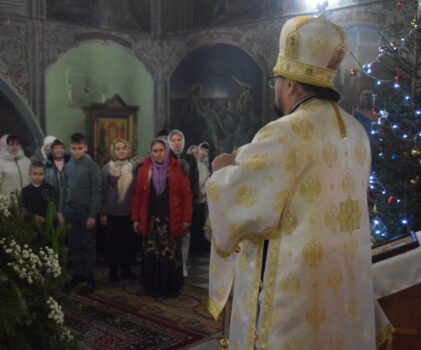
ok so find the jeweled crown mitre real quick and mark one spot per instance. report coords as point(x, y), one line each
point(310, 50)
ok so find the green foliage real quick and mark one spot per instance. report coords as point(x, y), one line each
point(395, 195)
point(32, 261)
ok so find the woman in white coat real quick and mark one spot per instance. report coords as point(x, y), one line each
point(14, 166)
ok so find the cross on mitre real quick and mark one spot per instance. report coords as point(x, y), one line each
point(322, 7)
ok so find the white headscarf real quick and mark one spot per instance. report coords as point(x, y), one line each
point(191, 148)
point(176, 131)
point(204, 160)
point(5, 151)
point(47, 140)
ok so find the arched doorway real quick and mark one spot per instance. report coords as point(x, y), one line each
point(94, 72)
point(216, 96)
point(16, 118)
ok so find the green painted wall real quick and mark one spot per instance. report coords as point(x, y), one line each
point(93, 73)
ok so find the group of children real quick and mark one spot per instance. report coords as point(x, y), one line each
point(81, 193)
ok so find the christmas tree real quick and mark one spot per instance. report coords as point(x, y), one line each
point(395, 131)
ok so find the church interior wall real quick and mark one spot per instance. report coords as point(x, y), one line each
point(35, 38)
point(94, 72)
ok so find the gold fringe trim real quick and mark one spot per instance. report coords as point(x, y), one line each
point(214, 308)
point(385, 334)
point(342, 127)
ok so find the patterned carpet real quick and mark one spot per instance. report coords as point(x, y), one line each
point(120, 316)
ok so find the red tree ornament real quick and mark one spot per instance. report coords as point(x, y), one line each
point(398, 79)
point(390, 200)
point(399, 3)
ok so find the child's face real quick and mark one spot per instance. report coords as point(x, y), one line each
point(13, 147)
point(58, 151)
point(37, 175)
point(78, 150)
point(121, 151)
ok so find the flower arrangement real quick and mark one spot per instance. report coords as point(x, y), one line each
point(32, 257)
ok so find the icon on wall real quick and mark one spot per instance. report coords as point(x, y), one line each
point(110, 120)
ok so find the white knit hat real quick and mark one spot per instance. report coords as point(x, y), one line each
point(47, 140)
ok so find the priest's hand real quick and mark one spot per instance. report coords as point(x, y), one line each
point(222, 161)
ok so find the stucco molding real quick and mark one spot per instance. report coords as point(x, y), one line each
point(248, 40)
point(58, 38)
point(55, 41)
point(374, 16)
point(148, 52)
point(15, 55)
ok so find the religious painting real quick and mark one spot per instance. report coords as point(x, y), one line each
point(216, 96)
point(109, 121)
point(130, 15)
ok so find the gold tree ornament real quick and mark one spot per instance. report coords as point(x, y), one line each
point(352, 73)
point(415, 180)
point(224, 343)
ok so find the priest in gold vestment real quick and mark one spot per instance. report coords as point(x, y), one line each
point(289, 215)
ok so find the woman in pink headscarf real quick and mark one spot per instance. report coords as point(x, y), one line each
point(161, 211)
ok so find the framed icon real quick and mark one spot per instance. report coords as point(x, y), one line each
point(110, 120)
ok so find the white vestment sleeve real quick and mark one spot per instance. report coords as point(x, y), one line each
point(247, 201)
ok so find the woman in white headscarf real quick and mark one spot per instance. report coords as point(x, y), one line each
point(46, 145)
point(117, 191)
point(14, 165)
point(198, 242)
point(177, 142)
point(204, 153)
